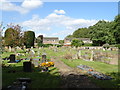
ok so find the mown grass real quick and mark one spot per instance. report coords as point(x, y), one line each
point(39, 79)
point(98, 66)
point(107, 69)
point(52, 79)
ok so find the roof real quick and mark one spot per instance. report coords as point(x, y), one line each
point(50, 37)
point(77, 38)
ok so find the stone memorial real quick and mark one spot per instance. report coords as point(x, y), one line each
point(32, 53)
point(27, 67)
point(35, 62)
point(44, 56)
point(12, 58)
point(10, 49)
point(92, 55)
point(79, 54)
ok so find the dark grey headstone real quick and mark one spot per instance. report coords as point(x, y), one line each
point(27, 67)
point(12, 58)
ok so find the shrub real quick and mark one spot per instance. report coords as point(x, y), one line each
point(29, 38)
point(106, 46)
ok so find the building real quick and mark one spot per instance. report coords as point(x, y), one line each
point(48, 40)
point(67, 41)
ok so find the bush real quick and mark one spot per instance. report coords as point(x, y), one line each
point(29, 38)
point(106, 46)
point(77, 43)
point(87, 44)
point(117, 45)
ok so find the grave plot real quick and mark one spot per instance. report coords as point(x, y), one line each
point(94, 73)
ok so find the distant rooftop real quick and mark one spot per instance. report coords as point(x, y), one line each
point(50, 37)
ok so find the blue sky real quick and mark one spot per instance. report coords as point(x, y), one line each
point(56, 19)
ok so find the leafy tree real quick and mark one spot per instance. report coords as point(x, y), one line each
point(69, 36)
point(116, 28)
point(61, 42)
point(82, 33)
point(29, 37)
point(101, 34)
point(13, 36)
point(77, 43)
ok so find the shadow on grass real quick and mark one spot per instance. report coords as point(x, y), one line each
point(38, 79)
point(113, 83)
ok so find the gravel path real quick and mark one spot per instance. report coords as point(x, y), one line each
point(71, 77)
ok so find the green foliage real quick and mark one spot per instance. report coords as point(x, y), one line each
point(77, 43)
point(61, 42)
point(69, 36)
point(82, 33)
point(101, 33)
point(87, 44)
point(29, 37)
point(116, 28)
point(11, 37)
point(106, 46)
point(118, 45)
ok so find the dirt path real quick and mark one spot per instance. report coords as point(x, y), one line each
point(71, 77)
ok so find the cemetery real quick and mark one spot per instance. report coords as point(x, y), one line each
point(30, 62)
point(38, 68)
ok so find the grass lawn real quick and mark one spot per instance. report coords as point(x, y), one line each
point(107, 69)
point(52, 79)
point(39, 79)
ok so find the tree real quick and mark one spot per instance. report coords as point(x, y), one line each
point(81, 33)
point(13, 36)
point(101, 33)
point(61, 42)
point(29, 37)
point(69, 36)
point(116, 28)
point(77, 43)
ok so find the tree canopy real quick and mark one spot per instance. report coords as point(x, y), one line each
point(101, 33)
point(29, 37)
point(13, 36)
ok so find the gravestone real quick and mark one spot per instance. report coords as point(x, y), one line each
point(35, 62)
point(27, 67)
point(79, 54)
point(92, 55)
point(12, 58)
point(38, 53)
point(32, 53)
point(13, 49)
point(44, 56)
point(9, 49)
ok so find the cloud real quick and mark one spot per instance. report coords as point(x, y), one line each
point(59, 11)
point(57, 20)
point(30, 4)
point(25, 7)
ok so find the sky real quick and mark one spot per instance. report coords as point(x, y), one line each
point(56, 19)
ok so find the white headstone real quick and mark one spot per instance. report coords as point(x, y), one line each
point(10, 49)
point(92, 55)
point(32, 53)
point(79, 53)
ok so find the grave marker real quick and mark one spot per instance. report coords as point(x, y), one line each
point(12, 58)
point(92, 55)
point(27, 67)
